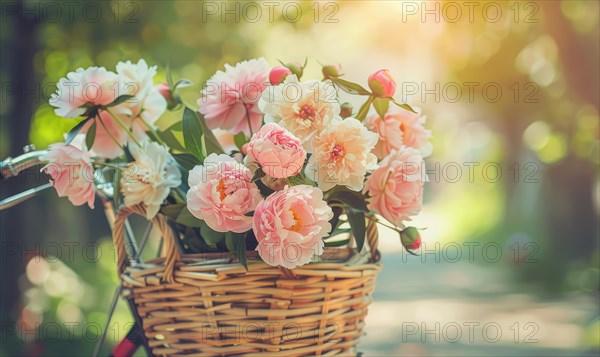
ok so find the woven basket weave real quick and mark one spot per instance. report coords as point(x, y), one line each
point(209, 305)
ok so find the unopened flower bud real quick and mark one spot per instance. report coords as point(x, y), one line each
point(278, 75)
point(296, 68)
point(382, 84)
point(244, 149)
point(164, 90)
point(346, 110)
point(332, 71)
point(410, 238)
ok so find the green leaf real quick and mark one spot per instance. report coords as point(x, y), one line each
point(187, 161)
point(353, 199)
point(90, 136)
point(117, 188)
point(186, 218)
point(172, 211)
point(264, 189)
point(177, 126)
point(169, 138)
point(169, 77)
point(258, 174)
point(240, 139)
point(364, 109)
point(76, 129)
point(300, 179)
point(357, 224)
point(192, 134)
point(350, 87)
point(403, 106)
point(381, 106)
point(236, 244)
point(196, 123)
point(182, 83)
point(120, 99)
point(212, 144)
point(210, 236)
point(203, 147)
point(340, 231)
point(337, 242)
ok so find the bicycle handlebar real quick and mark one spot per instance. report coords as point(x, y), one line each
point(11, 167)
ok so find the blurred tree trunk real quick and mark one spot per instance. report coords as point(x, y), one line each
point(570, 182)
point(22, 47)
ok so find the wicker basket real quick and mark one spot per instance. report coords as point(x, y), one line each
point(209, 305)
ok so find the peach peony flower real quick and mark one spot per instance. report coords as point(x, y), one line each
point(279, 153)
point(396, 187)
point(399, 127)
point(342, 156)
point(305, 109)
point(290, 226)
point(150, 177)
point(71, 172)
point(230, 97)
point(221, 194)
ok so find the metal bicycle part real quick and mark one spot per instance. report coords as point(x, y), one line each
point(115, 299)
point(12, 167)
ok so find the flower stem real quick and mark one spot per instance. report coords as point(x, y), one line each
point(154, 132)
point(124, 126)
point(372, 218)
point(107, 165)
point(109, 133)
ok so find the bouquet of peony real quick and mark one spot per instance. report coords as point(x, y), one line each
point(289, 171)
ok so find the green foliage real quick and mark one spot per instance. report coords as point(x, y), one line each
point(356, 219)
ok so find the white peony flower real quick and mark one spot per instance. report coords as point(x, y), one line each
point(137, 79)
point(150, 177)
point(342, 155)
point(305, 109)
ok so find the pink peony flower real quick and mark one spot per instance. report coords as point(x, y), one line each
point(97, 87)
point(382, 83)
point(71, 172)
point(399, 127)
point(85, 87)
point(279, 153)
point(221, 194)
point(396, 187)
point(342, 155)
point(230, 98)
point(290, 226)
point(278, 74)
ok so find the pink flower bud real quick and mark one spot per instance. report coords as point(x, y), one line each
point(410, 238)
point(382, 84)
point(164, 90)
point(278, 74)
point(332, 71)
point(245, 149)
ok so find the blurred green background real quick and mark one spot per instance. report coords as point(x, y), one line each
point(510, 89)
